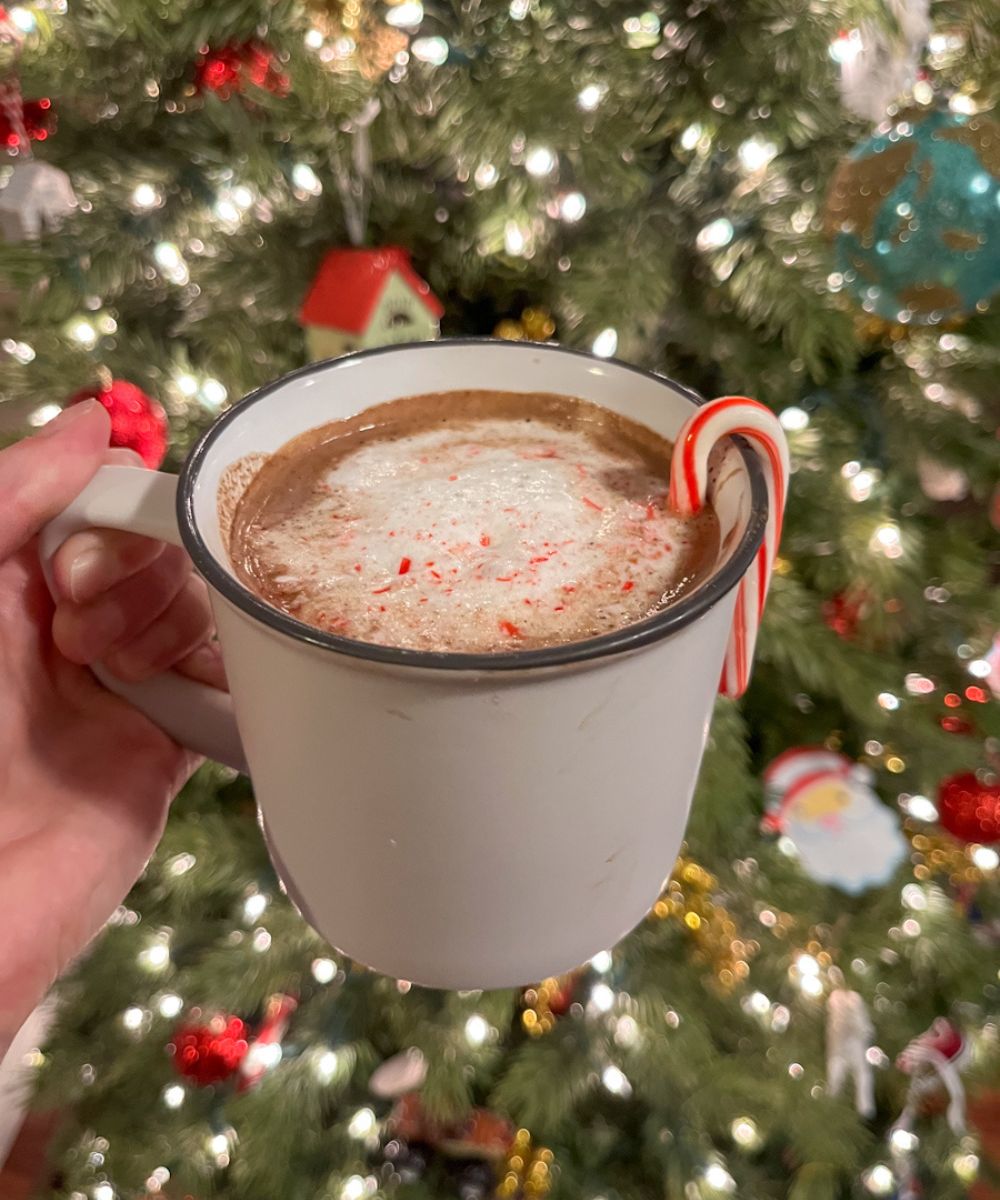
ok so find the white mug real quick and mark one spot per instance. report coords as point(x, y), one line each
point(457, 820)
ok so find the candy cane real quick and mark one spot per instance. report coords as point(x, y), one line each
point(688, 495)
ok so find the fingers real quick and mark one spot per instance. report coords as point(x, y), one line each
point(205, 666)
point(96, 560)
point(184, 626)
point(88, 632)
point(41, 475)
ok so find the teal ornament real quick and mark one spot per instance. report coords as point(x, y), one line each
point(914, 213)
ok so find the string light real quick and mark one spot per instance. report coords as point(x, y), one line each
point(323, 969)
point(173, 1095)
point(431, 50)
point(180, 864)
point(519, 9)
point(354, 1186)
point(745, 1133)
point(23, 18)
point(477, 1030)
point(922, 808)
point(755, 153)
point(601, 962)
point(361, 1124)
point(572, 207)
point(861, 483)
point(759, 1003)
point(914, 897)
point(691, 136)
point(794, 419)
point(82, 332)
point(616, 1081)
point(326, 1066)
point(133, 1017)
point(715, 235)
point(540, 161)
point(515, 239)
point(887, 540)
point(156, 955)
point(103, 1191)
point(888, 701)
point(169, 1005)
point(157, 1178)
point(407, 15)
point(213, 393)
point(313, 39)
point(590, 97)
point(253, 906)
point(19, 351)
point(305, 179)
point(880, 1180)
point(966, 1167)
point(643, 31)
point(626, 1031)
point(602, 998)
point(261, 940)
point(486, 176)
point(146, 197)
point(979, 668)
point(171, 263)
point(606, 343)
point(718, 1178)
point(985, 857)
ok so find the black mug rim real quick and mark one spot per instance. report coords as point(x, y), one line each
point(630, 637)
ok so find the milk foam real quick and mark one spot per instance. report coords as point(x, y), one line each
point(498, 534)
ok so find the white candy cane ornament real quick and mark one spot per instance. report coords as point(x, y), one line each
point(689, 494)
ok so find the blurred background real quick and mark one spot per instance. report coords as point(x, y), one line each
point(797, 200)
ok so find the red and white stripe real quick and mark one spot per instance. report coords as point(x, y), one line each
point(688, 495)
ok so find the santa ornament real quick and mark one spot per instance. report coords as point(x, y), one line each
point(849, 1034)
point(367, 297)
point(933, 1060)
point(38, 196)
point(825, 804)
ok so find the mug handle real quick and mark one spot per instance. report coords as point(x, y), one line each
point(144, 502)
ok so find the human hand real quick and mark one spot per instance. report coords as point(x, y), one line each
point(85, 778)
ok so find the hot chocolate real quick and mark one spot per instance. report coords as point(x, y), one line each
point(470, 521)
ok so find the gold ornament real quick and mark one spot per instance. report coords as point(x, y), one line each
point(357, 37)
point(936, 855)
point(546, 1002)
point(533, 325)
point(527, 1170)
point(688, 902)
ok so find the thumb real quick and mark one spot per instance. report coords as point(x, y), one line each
point(41, 475)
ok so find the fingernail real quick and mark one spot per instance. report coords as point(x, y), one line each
point(67, 417)
point(84, 575)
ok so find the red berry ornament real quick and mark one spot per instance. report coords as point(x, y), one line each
point(39, 122)
point(228, 69)
point(138, 422)
point(210, 1053)
point(970, 809)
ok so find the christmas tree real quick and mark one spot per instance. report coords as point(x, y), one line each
point(692, 188)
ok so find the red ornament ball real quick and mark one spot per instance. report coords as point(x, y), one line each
point(138, 422)
point(228, 69)
point(845, 611)
point(970, 809)
point(210, 1053)
point(39, 122)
